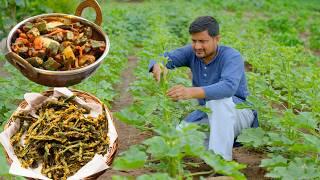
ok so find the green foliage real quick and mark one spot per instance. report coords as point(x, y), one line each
point(3, 162)
point(133, 158)
point(13, 11)
point(3, 114)
point(116, 177)
point(299, 168)
point(284, 80)
point(315, 36)
point(154, 111)
point(224, 167)
point(255, 137)
point(155, 176)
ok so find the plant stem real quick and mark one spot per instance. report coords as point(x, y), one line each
point(201, 173)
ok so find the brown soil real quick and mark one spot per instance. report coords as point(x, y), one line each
point(2, 45)
point(2, 50)
point(252, 159)
point(317, 53)
point(248, 66)
point(129, 135)
point(304, 36)
point(3, 73)
point(242, 155)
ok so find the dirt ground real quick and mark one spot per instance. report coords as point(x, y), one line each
point(128, 135)
point(2, 51)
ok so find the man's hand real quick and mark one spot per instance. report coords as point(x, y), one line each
point(157, 70)
point(180, 92)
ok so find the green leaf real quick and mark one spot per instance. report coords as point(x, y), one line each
point(122, 178)
point(155, 176)
point(279, 139)
point(192, 140)
point(133, 158)
point(255, 137)
point(221, 166)
point(297, 169)
point(3, 116)
point(310, 143)
point(129, 117)
point(306, 120)
point(158, 147)
point(20, 3)
point(274, 162)
point(3, 163)
point(313, 140)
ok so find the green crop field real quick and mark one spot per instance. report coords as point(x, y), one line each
point(279, 41)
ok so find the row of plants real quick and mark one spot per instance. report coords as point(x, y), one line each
point(283, 82)
point(289, 23)
point(167, 153)
point(13, 11)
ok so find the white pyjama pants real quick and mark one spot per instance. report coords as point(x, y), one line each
point(226, 123)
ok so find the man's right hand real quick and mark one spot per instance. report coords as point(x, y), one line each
point(158, 70)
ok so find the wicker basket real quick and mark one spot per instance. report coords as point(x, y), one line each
point(87, 98)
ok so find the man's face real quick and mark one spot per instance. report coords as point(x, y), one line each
point(203, 45)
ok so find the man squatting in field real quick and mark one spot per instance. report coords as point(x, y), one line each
point(219, 82)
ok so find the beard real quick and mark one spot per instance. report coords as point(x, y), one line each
point(200, 53)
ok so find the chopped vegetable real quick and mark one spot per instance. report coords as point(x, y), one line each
point(53, 48)
point(27, 26)
point(54, 24)
point(35, 61)
point(47, 41)
point(41, 26)
point(51, 64)
point(69, 36)
point(33, 32)
point(97, 44)
point(86, 59)
point(37, 43)
point(68, 57)
point(68, 53)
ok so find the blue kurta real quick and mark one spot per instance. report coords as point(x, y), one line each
point(222, 77)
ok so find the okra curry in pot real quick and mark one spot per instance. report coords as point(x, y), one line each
point(57, 50)
point(57, 45)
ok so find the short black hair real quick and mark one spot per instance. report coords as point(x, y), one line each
point(204, 23)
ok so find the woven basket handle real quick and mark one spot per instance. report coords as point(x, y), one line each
point(93, 4)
